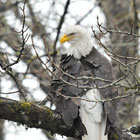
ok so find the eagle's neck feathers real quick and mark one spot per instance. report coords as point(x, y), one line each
point(80, 48)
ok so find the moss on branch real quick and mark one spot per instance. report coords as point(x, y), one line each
point(33, 115)
point(36, 116)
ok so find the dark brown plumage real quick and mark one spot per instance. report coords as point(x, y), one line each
point(95, 65)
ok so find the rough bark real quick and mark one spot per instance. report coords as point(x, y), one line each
point(32, 115)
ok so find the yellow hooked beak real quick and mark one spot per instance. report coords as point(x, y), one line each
point(65, 38)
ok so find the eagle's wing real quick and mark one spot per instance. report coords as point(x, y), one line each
point(102, 68)
point(68, 107)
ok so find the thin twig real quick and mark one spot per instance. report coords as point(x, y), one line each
point(60, 26)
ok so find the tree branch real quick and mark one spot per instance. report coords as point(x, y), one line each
point(60, 25)
point(34, 116)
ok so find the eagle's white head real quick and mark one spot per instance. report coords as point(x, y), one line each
point(79, 39)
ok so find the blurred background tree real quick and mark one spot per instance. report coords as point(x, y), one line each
point(22, 73)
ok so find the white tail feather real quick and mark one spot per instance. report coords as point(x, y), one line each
point(92, 116)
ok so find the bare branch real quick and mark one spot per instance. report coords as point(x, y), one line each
point(60, 25)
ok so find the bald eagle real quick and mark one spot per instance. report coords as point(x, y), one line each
point(83, 78)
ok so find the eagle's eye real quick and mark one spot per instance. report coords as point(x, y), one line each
point(71, 34)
